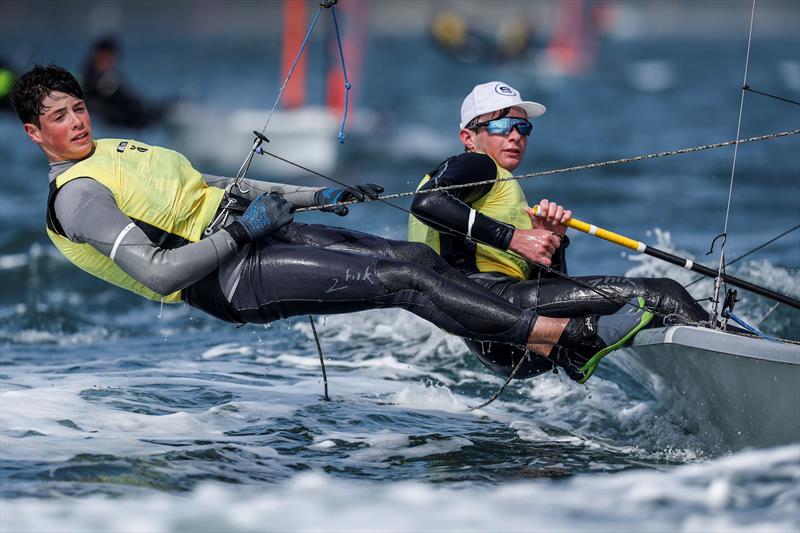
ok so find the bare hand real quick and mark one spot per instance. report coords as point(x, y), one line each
point(551, 217)
point(536, 245)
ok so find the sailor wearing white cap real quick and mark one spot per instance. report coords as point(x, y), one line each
point(486, 229)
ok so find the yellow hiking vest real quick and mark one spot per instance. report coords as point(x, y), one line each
point(153, 186)
point(504, 202)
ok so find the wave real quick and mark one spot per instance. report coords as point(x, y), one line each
point(752, 491)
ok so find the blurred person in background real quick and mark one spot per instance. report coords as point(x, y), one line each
point(488, 231)
point(142, 218)
point(109, 95)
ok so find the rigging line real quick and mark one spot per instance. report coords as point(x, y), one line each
point(249, 158)
point(781, 98)
point(321, 360)
point(497, 394)
point(718, 281)
point(294, 65)
point(341, 135)
point(337, 182)
point(757, 248)
point(542, 173)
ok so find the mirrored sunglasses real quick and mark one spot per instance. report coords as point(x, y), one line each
point(503, 126)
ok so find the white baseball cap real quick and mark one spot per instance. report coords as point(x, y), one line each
point(494, 96)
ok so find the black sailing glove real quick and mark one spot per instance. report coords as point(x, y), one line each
point(331, 195)
point(266, 213)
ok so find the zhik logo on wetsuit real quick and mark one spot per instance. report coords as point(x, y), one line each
point(505, 90)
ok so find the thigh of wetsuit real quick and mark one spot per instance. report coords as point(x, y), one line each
point(603, 295)
point(280, 280)
point(331, 238)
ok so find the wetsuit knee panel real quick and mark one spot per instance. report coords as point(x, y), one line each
point(401, 275)
point(416, 252)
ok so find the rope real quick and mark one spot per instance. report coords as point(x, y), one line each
point(755, 331)
point(564, 170)
point(321, 360)
point(240, 175)
point(757, 248)
point(781, 98)
point(341, 136)
point(497, 394)
point(718, 281)
point(291, 70)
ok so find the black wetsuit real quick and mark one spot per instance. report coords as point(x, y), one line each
point(546, 292)
point(314, 269)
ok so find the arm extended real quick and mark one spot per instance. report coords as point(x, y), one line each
point(298, 195)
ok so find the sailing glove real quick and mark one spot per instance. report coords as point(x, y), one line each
point(330, 195)
point(267, 213)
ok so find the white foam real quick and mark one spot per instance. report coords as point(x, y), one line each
point(723, 495)
point(230, 348)
point(429, 396)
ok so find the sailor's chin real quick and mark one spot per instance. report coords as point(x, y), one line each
point(510, 162)
point(82, 149)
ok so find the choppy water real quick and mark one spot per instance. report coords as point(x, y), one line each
point(115, 415)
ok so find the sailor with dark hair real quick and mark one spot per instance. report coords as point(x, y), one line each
point(486, 229)
point(142, 218)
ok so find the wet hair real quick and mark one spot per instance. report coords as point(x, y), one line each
point(35, 85)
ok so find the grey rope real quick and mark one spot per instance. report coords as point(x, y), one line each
point(564, 170)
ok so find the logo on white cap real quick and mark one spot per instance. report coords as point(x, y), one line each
point(505, 90)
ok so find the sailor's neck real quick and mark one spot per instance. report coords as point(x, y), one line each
point(59, 167)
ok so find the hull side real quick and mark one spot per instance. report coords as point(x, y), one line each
point(746, 392)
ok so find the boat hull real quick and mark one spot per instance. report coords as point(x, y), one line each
point(741, 391)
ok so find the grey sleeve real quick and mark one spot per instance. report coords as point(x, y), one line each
point(89, 214)
point(297, 194)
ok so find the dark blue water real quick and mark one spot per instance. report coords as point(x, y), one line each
point(190, 424)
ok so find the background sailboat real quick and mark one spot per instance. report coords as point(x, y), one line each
point(303, 129)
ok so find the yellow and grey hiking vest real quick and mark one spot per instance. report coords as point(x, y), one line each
point(504, 202)
point(157, 188)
